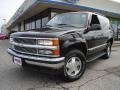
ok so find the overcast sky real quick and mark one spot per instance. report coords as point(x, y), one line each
point(118, 1)
point(9, 7)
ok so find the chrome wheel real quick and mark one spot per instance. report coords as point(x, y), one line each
point(73, 66)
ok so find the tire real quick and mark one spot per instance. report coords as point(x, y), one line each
point(76, 60)
point(107, 51)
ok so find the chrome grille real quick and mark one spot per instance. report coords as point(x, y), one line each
point(25, 41)
point(26, 50)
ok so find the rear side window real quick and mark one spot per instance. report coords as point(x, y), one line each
point(105, 23)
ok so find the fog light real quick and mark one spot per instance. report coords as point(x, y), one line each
point(45, 52)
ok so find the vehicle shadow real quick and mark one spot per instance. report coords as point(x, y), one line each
point(34, 76)
point(51, 74)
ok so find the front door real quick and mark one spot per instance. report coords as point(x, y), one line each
point(94, 37)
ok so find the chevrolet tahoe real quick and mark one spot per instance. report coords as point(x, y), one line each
point(66, 43)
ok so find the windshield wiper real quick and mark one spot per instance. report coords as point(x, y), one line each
point(47, 26)
point(68, 25)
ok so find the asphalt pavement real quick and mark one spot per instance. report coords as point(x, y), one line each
point(100, 75)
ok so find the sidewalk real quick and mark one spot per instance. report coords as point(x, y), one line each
point(116, 43)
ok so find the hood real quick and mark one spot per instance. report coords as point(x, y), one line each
point(46, 32)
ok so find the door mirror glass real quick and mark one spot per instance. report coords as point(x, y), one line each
point(95, 27)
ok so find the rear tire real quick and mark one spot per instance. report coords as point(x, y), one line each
point(107, 51)
point(75, 65)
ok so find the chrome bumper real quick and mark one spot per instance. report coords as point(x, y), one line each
point(54, 63)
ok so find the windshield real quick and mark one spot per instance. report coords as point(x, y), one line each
point(69, 20)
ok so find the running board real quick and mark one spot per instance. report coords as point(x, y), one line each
point(95, 56)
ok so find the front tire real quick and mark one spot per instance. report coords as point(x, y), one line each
point(75, 65)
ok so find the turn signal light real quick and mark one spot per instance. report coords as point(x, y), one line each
point(55, 42)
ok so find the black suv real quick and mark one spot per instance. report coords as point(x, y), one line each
point(66, 43)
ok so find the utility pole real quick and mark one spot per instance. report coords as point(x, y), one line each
point(117, 32)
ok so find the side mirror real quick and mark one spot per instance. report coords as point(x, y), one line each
point(118, 27)
point(95, 27)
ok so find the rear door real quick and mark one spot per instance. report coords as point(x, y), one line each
point(105, 26)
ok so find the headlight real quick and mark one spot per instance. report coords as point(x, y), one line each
point(54, 42)
point(11, 39)
point(49, 42)
point(45, 42)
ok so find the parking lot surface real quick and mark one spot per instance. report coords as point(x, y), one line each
point(100, 75)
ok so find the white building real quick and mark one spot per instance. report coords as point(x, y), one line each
point(34, 14)
point(4, 29)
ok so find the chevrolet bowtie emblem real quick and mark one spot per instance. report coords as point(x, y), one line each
point(20, 44)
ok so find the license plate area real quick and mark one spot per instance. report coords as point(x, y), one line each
point(17, 60)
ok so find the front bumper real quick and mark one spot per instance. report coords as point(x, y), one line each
point(55, 63)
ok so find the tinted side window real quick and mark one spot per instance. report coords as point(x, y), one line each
point(105, 24)
point(95, 22)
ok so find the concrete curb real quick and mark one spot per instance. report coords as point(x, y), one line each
point(116, 43)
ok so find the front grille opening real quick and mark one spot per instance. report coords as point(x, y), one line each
point(25, 41)
point(26, 50)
